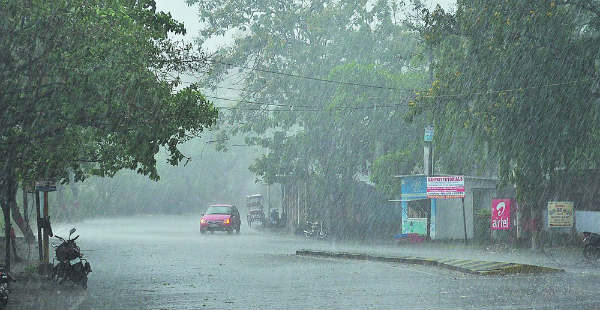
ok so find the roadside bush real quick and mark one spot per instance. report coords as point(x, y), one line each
point(482, 226)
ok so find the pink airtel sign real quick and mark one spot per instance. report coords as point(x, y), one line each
point(500, 214)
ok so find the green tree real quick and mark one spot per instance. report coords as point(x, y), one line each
point(521, 77)
point(354, 67)
point(86, 88)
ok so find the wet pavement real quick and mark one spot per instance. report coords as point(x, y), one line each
point(155, 262)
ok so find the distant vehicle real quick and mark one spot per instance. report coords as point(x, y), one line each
point(315, 230)
point(276, 220)
point(254, 203)
point(221, 217)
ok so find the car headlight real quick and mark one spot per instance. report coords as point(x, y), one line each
point(202, 221)
point(226, 221)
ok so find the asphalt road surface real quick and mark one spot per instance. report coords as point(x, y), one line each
point(154, 262)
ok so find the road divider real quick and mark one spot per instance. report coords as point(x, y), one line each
point(462, 265)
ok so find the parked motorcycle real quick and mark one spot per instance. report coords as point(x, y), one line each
point(71, 264)
point(5, 279)
point(315, 230)
point(591, 246)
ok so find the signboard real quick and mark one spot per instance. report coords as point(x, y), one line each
point(415, 226)
point(29, 187)
point(413, 188)
point(447, 187)
point(429, 134)
point(560, 213)
point(500, 214)
point(45, 186)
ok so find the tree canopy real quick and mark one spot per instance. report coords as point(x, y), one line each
point(86, 87)
point(325, 87)
point(521, 77)
point(90, 81)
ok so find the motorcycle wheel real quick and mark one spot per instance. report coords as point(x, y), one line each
point(53, 275)
point(591, 253)
point(59, 273)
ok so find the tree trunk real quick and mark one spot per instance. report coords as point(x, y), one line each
point(6, 213)
point(23, 225)
point(8, 196)
point(25, 206)
point(535, 228)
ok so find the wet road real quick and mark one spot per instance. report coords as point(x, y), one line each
point(164, 263)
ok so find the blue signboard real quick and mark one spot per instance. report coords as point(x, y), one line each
point(45, 186)
point(414, 188)
point(429, 134)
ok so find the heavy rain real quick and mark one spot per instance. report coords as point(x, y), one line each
point(308, 154)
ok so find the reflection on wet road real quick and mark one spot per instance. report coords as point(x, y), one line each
point(164, 263)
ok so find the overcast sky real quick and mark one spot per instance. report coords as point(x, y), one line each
point(189, 16)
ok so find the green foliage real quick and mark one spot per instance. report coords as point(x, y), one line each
point(86, 88)
point(483, 213)
point(386, 167)
point(519, 77)
point(324, 135)
point(482, 224)
point(30, 270)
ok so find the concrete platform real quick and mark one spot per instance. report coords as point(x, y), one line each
point(462, 265)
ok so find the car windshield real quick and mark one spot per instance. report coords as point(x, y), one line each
point(218, 210)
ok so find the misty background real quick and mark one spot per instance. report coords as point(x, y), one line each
point(210, 175)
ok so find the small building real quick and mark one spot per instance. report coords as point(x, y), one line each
point(442, 219)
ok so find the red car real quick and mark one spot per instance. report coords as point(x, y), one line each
point(221, 217)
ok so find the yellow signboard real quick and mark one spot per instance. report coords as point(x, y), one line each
point(561, 213)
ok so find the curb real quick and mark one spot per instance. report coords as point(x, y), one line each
point(466, 266)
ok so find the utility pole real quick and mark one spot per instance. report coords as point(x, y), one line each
point(427, 165)
point(428, 152)
point(44, 222)
point(464, 220)
point(39, 224)
point(46, 234)
point(268, 200)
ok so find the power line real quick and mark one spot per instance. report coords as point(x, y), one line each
point(302, 107)
point(255, 92)
point(312, 108)
point(413, 91)
point(313, 78)
point(506, 90)
point(266, 110)
point(418, 93)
